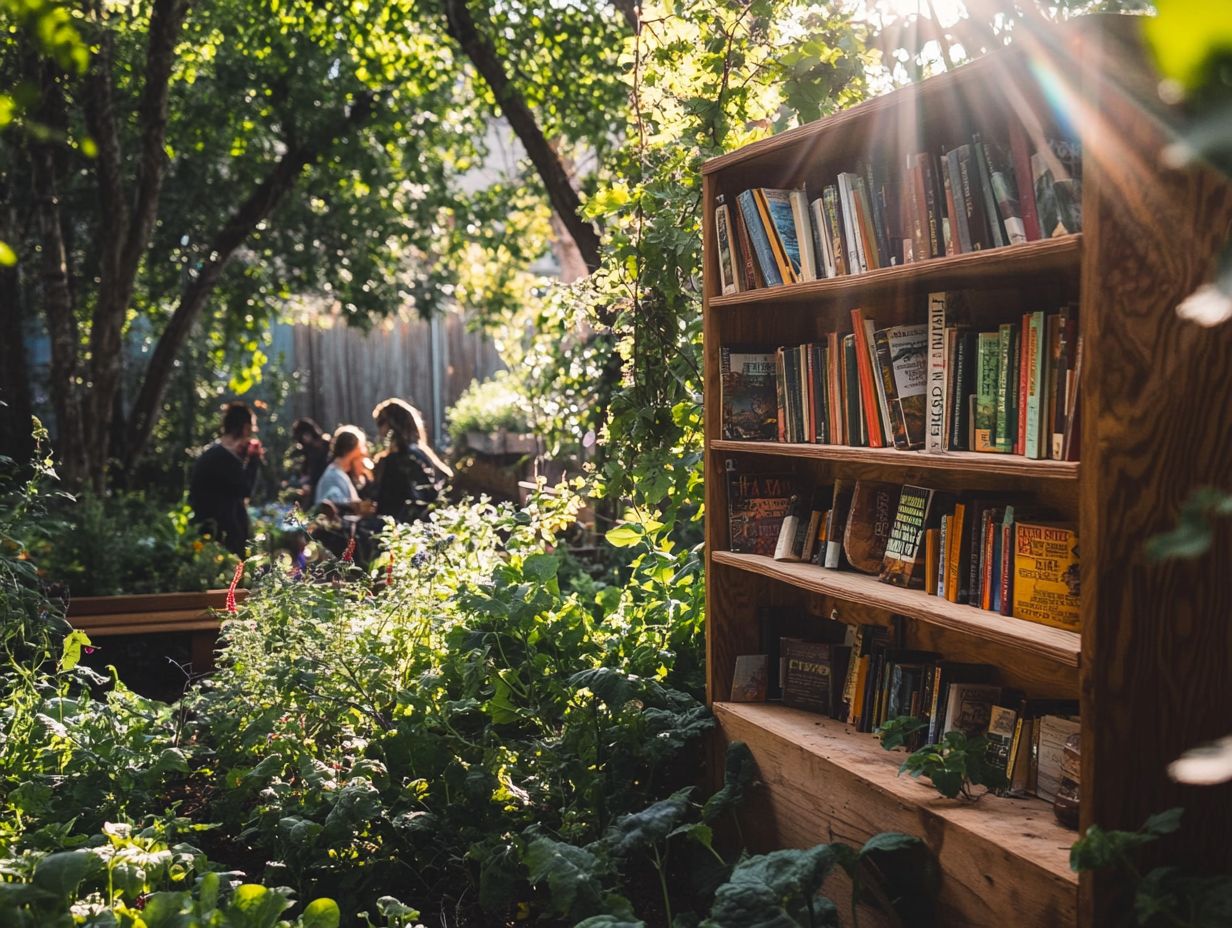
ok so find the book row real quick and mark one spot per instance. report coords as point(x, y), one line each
point(937, 386)
point(999, 553)
point(978, 195)
point(864, 676)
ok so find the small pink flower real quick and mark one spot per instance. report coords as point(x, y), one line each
point(235, 581)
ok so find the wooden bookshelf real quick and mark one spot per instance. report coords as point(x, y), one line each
point(1013, 264)
point(1056, 644)
point(1007, 465)
point(1153, 661)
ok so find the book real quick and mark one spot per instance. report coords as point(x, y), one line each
point(987, 379)
point(869, 522)
point(960, 197)
point(759, 239)
point(750, 678)
point(790, 544)
point(1007, 384)
point(869, 403)
point(996, 232)
point(836, 526)
point(1046, 575)
point(902, 355)
point(1024, 180)
point(955, 529)
point(1002, 723)
point(822, 241)
point(851, 235)
point(932, 556)
point(1051, 732)
point(1056, 169)
point(804, 234)
point(1034, 365)
point(1072, 436)
point(1005, 194)
point(756, 505)
point(855, 426)
point(747, 267)
point(901, 565)
point(809, 676)
point(835, 226)
point(728, 281)
point(969, 707)
point(774, 208)
point(961, 386)
point(749, 401)
point(934, 432)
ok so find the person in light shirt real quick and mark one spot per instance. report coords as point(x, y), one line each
point(337, 486)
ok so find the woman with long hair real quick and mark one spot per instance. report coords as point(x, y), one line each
point(409, 475)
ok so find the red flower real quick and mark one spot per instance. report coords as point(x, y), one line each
point(349, 554)
point(235, 581)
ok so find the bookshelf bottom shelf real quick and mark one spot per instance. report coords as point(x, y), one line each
point(1002, 861)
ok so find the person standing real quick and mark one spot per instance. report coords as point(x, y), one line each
point(409, 475)
point(346, 466)
point(223, 478)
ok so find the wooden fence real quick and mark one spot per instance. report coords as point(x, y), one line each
point(344, 372)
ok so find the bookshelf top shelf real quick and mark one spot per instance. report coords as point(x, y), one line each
point(1056, 644)
point(1020, 832)
point(998, 266)
point(1010, 465)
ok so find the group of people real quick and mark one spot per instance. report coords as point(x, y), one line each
point(336, 475)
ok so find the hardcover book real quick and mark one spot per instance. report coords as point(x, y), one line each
point(869, 522)
point(748, 389)
point(759, 239)
point(1045, 584)
point(1002, 723)
point(969, 707)
point(987, 378)
point(902, 355)
point(756, 505)
point(812, 677)
point(723, 236)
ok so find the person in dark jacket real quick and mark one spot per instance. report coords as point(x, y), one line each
point(408, 474)
point(313, 447)
point(223, 477)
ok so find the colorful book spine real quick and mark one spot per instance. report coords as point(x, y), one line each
point(1036, 383)
point(759, 239)
point(1006, 382)
point(987, 373)
point(780, 232)
point(868, 388)
point(934, 439)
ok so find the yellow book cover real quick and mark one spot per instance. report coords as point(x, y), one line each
point(953, 544)
point(1046, 574)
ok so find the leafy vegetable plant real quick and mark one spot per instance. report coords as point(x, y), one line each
point(955, 765)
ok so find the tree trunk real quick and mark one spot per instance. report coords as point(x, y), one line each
point(564, 199)
point(257, 207)
point(16, 438)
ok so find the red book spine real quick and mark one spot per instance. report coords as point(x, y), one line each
point(868, 396)
point(1024, 384)
point(1024, 180)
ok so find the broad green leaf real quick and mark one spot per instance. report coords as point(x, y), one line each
point(255, 906)
point(62, 873)
point(70, 652)
point(740, 770)
point(571, 873)
point(623, 536)
point(640, 830)
point(321, 913)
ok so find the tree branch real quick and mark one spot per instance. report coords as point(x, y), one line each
point(222, 247)
point(564, 199)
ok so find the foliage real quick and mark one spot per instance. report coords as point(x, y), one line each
point(954, 765)
point(488, 406)
point(144, 878)
point(124, 543)
point(1163, 895)
point(1195, 529)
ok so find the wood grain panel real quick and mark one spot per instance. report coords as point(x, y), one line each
point(1156, 413)
point(150, 602)
point(1004, 862)
point(1053, 643)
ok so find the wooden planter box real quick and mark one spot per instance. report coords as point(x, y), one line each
point(156, 613)
point(502, 442)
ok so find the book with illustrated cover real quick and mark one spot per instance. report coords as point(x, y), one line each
point(756, 505)
point(750, 678)
point(759, 239)
point(774, 207)
point(969, 707)
point(903, 563)
point(869, 522)
point(902, 355)
point(749, 397)
point(1002, 723)
point(1045, 584)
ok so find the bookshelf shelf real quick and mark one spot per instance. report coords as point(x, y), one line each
point(1153, 660)
point(994, 846)
point(1055, 644)
point(1009, 465)
point(1008, 265)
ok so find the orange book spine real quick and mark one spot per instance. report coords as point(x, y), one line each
point(868, 398)
point(953, 544)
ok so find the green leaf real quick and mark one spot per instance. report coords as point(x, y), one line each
point(889, 842)
point(166, 910)
point(623, 536)
point(776, 890)
point(541, 567)
point(1186, 36)
point(63, 872)
point(255, 906)
point(740, 770)
point(571, 873)
point(321, 913)
point(70, 652)
point(640, 830)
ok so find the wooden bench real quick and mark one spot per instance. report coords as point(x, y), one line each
point(196, 614)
